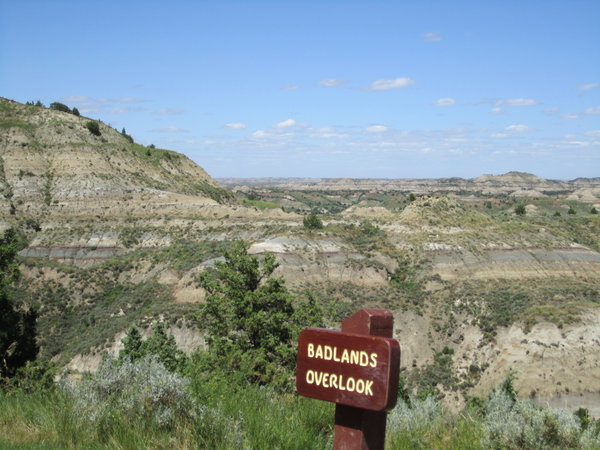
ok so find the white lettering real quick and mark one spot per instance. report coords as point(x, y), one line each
point(373, 360)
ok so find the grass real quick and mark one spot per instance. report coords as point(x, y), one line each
point(229, 418)
point(260, 204)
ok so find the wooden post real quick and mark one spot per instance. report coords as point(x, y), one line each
point(356, 428)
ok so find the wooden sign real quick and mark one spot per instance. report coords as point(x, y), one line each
point(348, 368)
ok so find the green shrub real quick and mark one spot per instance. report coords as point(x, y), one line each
point(520, 210)
point(312, 222)
point(34, 376)
point(520, 424)
point(139, 390)
point(60, 107)
point(93, 127)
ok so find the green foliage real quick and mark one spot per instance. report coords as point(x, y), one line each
point(17, 327)
point(365, 237)
point(138, 390)
point(93, 127)
point(75, 112)
point(218, 194)
point(593, 210)
point(128, 137)
point(164, 347)
point(47, 189)
point(426, 379)
point(130, 236)
point(60, 107)
point(519, 424)
point(308, 313)
point(34, 376)
point(144, 406)
point(571, 211)
point(312, 222)
point(260, 204)
point(248, 318)
point(520, 210)
point(583, 414)
point(132, 346)
point(507, 386)
point(105, 307)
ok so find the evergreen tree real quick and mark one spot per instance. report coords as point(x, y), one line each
point(60, 107)
point(132, 346)
point(520, 210)
point(248, 318)
point(159, 343)
point(17, 327)
point(312, 222)
point(163, 345)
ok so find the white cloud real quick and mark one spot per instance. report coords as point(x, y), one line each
point(290, 87)
point(517, 102)
point(432, 36)
point(334, 136)
point(445, 102)
point(259, 134)
point(386, 85)
point(511, 130)
point(593, 133)
point(579, 143)
point(129, 100)
point(168, 111)
point(332, 82)
point(235, 126)
point(376, 129)
point(593, 111)
point(170, 130)
point(120, 110)
point(76, 99)
point(571, 116)
point(517, 128)
point(497, 110)
point(286, 123)
point(587, 87)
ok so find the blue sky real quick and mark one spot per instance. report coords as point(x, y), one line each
point(366, 89)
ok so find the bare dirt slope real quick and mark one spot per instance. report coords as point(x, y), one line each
point(51, 163)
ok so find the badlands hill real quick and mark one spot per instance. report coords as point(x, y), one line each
point(119, 232)
point(52, 164)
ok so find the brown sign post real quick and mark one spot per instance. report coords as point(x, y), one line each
point(357, 368)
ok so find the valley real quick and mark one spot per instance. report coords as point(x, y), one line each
point(498, 273)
